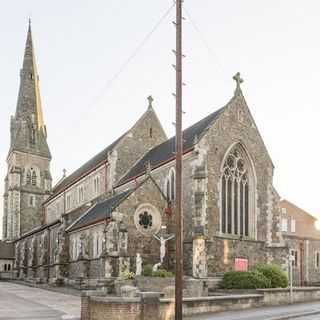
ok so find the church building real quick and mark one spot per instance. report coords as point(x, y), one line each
point(117, 210)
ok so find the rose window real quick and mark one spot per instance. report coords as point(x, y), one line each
point(145, 220)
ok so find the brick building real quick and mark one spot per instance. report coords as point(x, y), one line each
point(303, 239)
point(101, 220)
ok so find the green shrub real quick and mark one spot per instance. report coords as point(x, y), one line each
point(128, 276)
point(162, 273)
point(245, 280)
point(273, 272)
point(147, 270)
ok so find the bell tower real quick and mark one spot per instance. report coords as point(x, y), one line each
point(28, 179)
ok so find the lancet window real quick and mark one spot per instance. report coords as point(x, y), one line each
point(34, 178)
point(28, 177)
point(170, 185)
point(236, 184)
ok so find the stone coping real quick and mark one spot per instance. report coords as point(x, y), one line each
point(288, 289)
point(119, 300)
point(216, 298)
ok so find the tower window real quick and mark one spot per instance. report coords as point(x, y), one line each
point(150, 132)
point(28, 177)
point(34, 178)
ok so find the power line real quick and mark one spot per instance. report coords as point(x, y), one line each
point(205, 42)
point(130, 58)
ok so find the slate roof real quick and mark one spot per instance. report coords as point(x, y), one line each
point(6, 250)
point(100, 211)
point(84, 169)
point(165, 152)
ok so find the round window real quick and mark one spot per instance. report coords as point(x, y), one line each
point(147, 219)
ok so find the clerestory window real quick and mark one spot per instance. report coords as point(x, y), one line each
point(236, 184)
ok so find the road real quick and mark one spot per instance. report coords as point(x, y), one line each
point(302, 311)
point(18, 302)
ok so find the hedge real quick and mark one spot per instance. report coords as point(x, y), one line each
point(245, 280)
point(273, 272)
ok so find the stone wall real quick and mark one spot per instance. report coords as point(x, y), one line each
point(143, 136)
point(60, 204)
point(149, 306)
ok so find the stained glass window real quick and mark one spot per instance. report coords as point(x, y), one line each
point(235, 193)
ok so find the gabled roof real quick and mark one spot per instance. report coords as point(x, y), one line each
point(301, 211)
point(165, 152)
point(100, 211)
point(84, 169)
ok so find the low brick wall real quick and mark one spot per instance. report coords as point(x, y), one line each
point(146, 307)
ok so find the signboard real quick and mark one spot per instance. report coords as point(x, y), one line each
point(241, 264)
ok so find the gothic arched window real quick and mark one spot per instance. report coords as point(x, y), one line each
point(236, 184)
point(34, 178)
point(28, 177)
point(170, 185)
point(168, 189)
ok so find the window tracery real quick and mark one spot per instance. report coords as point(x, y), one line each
point(235, 186)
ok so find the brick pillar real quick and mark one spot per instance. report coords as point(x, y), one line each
point(150, 306)
point(85, 306)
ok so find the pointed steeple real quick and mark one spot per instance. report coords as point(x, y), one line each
point(30, 80)
point(27, 127)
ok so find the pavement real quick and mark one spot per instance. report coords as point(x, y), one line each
point(302, 311)
point(18, 302)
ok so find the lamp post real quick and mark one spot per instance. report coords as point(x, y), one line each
point(291, 259)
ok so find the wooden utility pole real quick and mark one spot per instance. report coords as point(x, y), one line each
point(179, 151)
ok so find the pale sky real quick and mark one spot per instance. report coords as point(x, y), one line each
point(81, 45)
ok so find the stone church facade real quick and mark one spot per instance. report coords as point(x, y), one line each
point(96, 223)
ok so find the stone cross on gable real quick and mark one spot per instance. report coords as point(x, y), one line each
point(150, 99)
point(237, 78)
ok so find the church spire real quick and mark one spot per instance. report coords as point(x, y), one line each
point(27, 127)
point(30, 104)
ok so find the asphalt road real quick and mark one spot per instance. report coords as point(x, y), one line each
point(19, 302)
point(295, 311)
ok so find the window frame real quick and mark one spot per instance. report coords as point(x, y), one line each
point(237, 187)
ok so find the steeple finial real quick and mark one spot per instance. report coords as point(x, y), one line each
point(237, 78)
point(150, 100)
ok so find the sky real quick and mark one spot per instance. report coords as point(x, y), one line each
point(98, 61)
